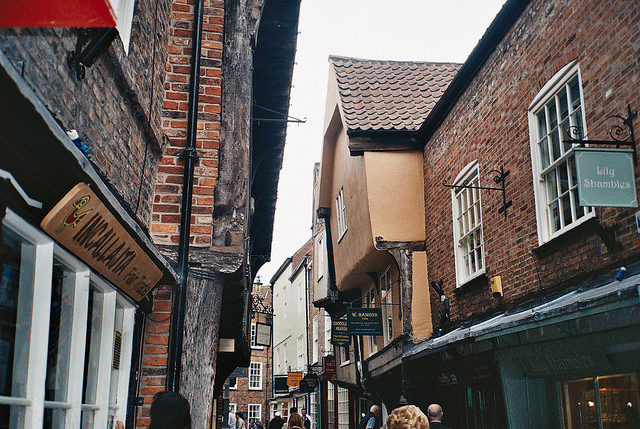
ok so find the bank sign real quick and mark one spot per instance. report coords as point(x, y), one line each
point(605, 177)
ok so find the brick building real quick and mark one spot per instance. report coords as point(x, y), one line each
point(129, 98)
point(553, 347)
point(249, 393)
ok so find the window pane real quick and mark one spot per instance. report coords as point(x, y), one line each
point(566, 209)
point(564, 108)
point(580, 404)
point(619, 401)
point(551, 113)
point(92, 349)
point(53, 418)
point(552, 186)
point(60, 323)
point(542, 124)
point(564, 178)
point(544, 152)
point(17, 262)
point(117, 355)
point(554, 216)
point(574, 90)
point(555, 144)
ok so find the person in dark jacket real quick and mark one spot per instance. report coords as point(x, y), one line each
point(371, 420)
point(435, 413)
point(276, 422)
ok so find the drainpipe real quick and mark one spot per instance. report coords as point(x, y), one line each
point(190, 157)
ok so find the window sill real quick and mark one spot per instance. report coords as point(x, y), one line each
point(345, 363)
point(255, 388)
point(473, 284)
point(589, 226)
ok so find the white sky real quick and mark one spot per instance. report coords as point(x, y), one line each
point(418, 30)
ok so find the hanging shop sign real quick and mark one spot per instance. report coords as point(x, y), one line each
point(280, 384)
point(364, 321)
point(263, 334)
point(86, 227)
point(329, 367)
point(293, 378)
point(309, 383)
point(605, 177)
point(339, 333)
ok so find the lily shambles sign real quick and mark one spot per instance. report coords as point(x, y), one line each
point(605, 177)
point(86, 227)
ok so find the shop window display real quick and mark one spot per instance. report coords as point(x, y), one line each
point(603, 402)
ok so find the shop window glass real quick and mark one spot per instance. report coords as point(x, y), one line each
point(602, 402)
point(17, 264)
point(92, 357)
point(59, 346)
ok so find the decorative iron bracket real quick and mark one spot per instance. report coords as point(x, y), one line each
point(91, 44)
point(618, 134)
point(500, 179)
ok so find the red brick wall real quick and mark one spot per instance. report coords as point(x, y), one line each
point(154, 352)
point(168, 189)
point(489, 123)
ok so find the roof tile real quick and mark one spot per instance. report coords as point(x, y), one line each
point(385, 95)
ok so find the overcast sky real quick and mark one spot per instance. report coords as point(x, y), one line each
point(417, 30)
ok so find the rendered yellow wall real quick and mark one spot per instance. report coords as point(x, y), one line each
point(420, 301)
point(395, 191)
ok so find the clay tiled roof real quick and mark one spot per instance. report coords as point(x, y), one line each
point(304, 251)
point(389, 95)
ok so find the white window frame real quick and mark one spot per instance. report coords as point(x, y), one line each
point(549, 90)
point(259, 412)
point(327, 334)
point(233, 408)
point(319, 257)
point(471, 173)
point(252, 385)
point(34, 367)
point(235, 386)
point(386, 301)
point(300, 353)
point(343, 408)
point(316, 340)
point(345, 359)
point(253, 337)
point(341, 214)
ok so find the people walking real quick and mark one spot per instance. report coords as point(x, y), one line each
point(407, 417)
point(276, 422)
point(371, 420)
point(295, 421)
point(306, 419)
point(435, 413)
point(240, 424)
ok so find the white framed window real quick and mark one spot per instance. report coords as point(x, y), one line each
point(300, 352)
point(341, 214)
point(467, 225)
point(255, 376)
point(233, 408)
point(319, 257)
point(386, 299)
point(343, 355)
point(253, 337)
point(254, 413)
point(301, 290)
point(370, 302)
point(327, 334)
point(557, 110)
point(233, 383)
point(316, 340)
point(314, 409)
point(343, 408)
point(64, 356)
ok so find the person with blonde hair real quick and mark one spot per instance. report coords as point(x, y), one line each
point(407, 417)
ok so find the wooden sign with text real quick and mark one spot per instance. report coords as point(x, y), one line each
point(86, 227)
point(294, 378)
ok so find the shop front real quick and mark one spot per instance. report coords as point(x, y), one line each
point(579, 369)
point(75, 270)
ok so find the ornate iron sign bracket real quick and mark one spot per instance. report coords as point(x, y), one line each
point(500, 179)
point(621, 134)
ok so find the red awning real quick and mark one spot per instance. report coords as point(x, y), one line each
point(57, 13)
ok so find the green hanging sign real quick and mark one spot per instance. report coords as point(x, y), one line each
point(364, 321)
point(605, 177)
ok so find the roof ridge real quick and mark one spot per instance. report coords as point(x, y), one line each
point(340, 57)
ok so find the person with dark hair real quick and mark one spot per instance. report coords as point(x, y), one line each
point(295, 421)
point(170, 410)
point(306, 420)
point(240, 424)
point(276, 422)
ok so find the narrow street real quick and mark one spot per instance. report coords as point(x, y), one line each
point(337, 214)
